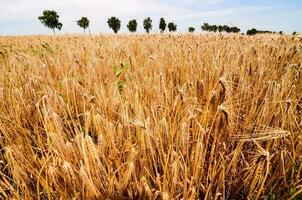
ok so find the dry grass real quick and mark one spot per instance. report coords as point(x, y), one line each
point(151, 117)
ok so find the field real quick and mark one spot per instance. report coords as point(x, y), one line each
point(151, 117)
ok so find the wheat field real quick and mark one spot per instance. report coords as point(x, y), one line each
point(151, 117)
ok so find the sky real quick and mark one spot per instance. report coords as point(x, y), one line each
point(20, 17)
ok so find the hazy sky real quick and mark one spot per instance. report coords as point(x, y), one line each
point(20, 16)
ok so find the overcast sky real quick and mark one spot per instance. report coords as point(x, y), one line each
point(20, 16)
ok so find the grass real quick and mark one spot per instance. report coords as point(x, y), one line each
point(151, 117)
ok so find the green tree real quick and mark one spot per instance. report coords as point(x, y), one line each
point(294, 33)
point(147, 24)
point(50, 19)
point(226, 28)
point(252, 31)
point(220, 28)
point(235, 29)
point(114, 23)
point(191, 29)
point(205, 27)
point(214, 28)
point(162, 25)
point(172, 27)
point(83, 23)
point(132, 25)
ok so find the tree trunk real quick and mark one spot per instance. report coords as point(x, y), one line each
point(84, 30)
point(54, 32)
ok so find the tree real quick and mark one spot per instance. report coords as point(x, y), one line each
point(191, 29)
point(220, 28)
point(205, 27)
point(252, 31)
point(147, 24)
point(226, 28)
point(132, 25)
point(50, 19)
point(114, 23)
point(172, 27)
point(235, 29)
point(162, 25)
point(83, 23)
point(294, 33)
point(214, 28)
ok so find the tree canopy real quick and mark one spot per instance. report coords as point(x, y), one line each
point(254, 31)
point(162, 25)
point(172, 27)
point(147, 24)
point(191, 29)
point(50, 19)
point(219, 28)
point(132, 25)
point(114, 23)
point(83, 23)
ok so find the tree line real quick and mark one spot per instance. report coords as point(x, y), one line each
point(220, 28)
point(254, 31)
point(50, 19)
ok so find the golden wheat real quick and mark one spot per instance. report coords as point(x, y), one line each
point(151, 117)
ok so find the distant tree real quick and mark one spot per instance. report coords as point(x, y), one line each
point(281, 32)
point(294, 33)
point(235, 30)
point(220, 28)
point(132, 25)
point(226, 28)
point(210, 28)
point(114, 23)
point(50, 19)
point(172, 27)
point(214, 28)
point(83, 23)
point(191, 29)
point(205, 27)
point(252, 31)
point(162, 25)
point(147, 24)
